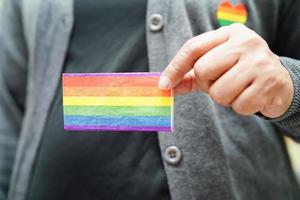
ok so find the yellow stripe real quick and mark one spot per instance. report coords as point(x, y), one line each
point(231, 17)
point(117, 101)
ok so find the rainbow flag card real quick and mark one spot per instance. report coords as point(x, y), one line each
point(116, 102)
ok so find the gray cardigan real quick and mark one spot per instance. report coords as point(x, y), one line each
point(224, 156)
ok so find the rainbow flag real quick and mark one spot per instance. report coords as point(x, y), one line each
point(228, 13)
point(116, 102)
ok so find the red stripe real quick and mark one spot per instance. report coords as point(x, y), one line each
point(229, 7)
point(110, 81)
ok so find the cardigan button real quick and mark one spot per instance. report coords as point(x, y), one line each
point(173, 155)
point(156, 22)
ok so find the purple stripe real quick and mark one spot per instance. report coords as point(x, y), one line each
point(118, 128)
point(114, 74)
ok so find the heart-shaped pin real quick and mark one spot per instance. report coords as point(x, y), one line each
point(227, 13)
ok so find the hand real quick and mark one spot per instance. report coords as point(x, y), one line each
point(235, 66)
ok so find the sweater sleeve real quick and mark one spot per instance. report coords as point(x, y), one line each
point(287, 46)
point(12, 87)
point(290, 121)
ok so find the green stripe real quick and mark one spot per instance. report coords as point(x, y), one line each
point(225, 22)
point(118, 110)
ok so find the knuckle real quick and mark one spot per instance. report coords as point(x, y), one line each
point(246, 36)
point(188, 50)
point(201, 71)
point(198, 71)
point(189, 45)
point(275, 82)
point(260, 62)
point(218, 96)
point(176, 68)
point(252, 40)
point(262, 59)
point(234, 52)
point(271, 81)
point(202, 83)
point(264, 102)
point(278, 103)
point(240, 108)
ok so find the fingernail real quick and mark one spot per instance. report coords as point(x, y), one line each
point(164, 82)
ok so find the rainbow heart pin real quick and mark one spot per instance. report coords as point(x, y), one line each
point(227, 13)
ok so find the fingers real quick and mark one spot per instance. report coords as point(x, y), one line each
point(252, 100)
point(184, 60)
point(207, 69)
point(217, 61)
point(214, 64)
point(187, 85)
point(231, 84)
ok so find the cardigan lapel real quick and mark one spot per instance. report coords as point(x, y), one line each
point(202, 172)
point(50, 23)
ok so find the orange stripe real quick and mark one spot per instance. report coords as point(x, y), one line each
point(115, 91)
point(110, 81)
point(232, 11)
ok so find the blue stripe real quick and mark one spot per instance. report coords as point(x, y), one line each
point(117, 121)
